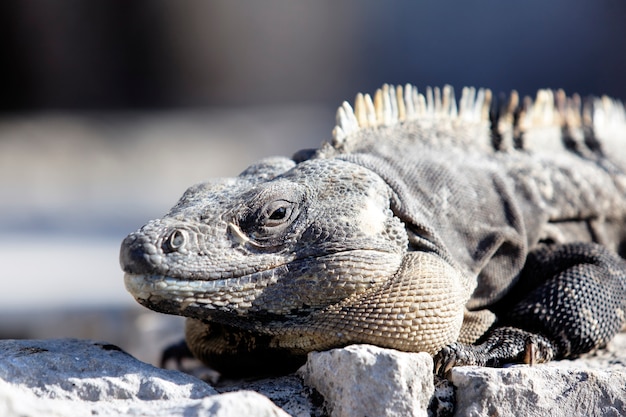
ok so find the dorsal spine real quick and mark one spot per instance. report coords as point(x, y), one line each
point(552, 120)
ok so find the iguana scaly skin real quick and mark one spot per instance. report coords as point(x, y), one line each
point(479, 232)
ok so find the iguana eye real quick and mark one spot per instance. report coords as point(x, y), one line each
point(277, 213)
point(175, 241)
point(271, 215)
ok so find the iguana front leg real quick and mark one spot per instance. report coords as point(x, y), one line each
point(570, 300)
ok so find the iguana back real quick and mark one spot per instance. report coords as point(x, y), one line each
point(492, 180)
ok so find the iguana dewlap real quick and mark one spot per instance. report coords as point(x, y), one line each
point(483, 233)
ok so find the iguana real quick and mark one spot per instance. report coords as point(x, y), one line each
point(484, 232)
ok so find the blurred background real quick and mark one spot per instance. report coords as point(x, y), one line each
point(109, 110)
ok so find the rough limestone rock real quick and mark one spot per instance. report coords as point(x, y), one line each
point(77, 378)
point(288, 392)
point(539, 391)
point(591, 386)
point(68, 377)
point(365, 380)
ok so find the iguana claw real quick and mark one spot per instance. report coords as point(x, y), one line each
point(457, 354)
point(504, 345)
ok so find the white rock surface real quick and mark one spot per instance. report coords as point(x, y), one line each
point(16, 401)
point(364, 380)
point(594, 385)
point(545, 390)
point(68, 377)
point(288, 392)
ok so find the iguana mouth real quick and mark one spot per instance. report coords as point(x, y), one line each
point(293, 281)
point(146, 285)
point(154, 289)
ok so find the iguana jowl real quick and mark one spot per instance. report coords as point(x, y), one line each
point(484, 233)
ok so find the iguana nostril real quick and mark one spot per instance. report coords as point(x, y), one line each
point(175, 241)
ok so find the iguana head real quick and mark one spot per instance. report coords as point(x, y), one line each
point(281, 239)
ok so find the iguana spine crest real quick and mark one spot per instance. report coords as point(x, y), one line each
point(509, 118)
point(392, 105)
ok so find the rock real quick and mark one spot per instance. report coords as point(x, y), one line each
point(591, 386)
point(20, 402)
point(84, 370)
point(443, 401)
point(364, 380)
point(69, 377)
point(233, 404)
point(288, 392)
point(79, 377)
